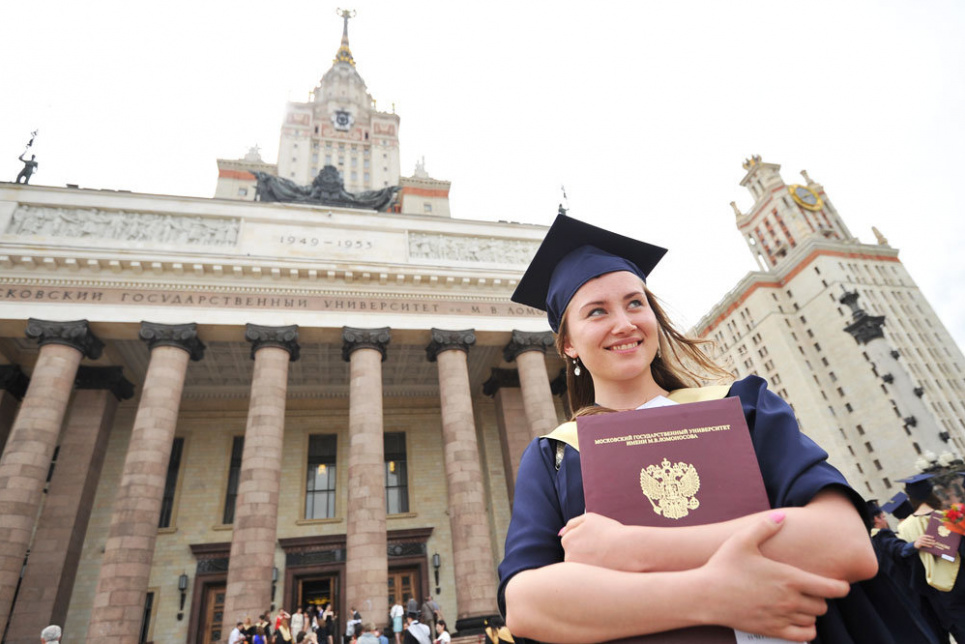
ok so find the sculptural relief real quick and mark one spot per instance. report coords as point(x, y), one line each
point(123, 226)
point(471, 249)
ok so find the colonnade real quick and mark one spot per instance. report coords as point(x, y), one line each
point(55, 537)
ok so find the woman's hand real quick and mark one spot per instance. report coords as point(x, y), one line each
point(925, 541)
point(597, 540)
point(749, 592)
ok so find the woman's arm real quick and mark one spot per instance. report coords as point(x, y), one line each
point(825, 537)
point(737, 587)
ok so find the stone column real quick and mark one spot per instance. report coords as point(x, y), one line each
point(528, 350)
point(13, 386)
point(366, 545)
point(473, 559)
point(515, 432)
point(122, 585)
point(48, 579)
point(256, 507)
point(30, 446)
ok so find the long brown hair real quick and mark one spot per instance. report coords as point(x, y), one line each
point(681, 362)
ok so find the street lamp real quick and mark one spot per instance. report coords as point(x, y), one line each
point(436, 562)
point(183, 587)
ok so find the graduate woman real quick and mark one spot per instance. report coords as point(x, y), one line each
point(568, 576)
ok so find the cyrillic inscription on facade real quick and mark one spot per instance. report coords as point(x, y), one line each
point(247, 301)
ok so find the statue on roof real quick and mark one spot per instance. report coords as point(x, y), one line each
point(29, 165)
point(326, 189)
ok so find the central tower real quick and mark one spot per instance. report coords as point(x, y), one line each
point(340, 126)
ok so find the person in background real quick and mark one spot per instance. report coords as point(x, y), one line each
point(397, 613)
point(442, 633)
point(51, 634)
point(381, 635)
point(366, 633)
point(936, 579)
point(416, 633)
point(298, 621)
point(428, 615)
point(237, 634)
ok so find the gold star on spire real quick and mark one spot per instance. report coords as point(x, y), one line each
point(344, 54)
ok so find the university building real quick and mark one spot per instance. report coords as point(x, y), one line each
point(212, 407)
point(842, 332)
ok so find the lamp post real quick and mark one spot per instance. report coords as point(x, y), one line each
point(436, 562)
point(274, 583)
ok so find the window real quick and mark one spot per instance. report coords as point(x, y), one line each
point(146, 619)
point(242, 192)
point(171, 483)
point(234, 471)
point(396, 474)
point(320, 477)
point(426, 207)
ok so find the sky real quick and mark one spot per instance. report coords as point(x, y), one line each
point(644, 111)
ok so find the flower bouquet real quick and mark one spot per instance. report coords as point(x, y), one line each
point(954, 518)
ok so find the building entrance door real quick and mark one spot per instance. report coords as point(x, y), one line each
point(213, 614)
point(317, 590)
point(403, 584)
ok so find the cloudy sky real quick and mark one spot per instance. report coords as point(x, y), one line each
point(643, 110)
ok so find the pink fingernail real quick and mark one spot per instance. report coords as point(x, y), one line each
point(777, 516)
point(561, 532)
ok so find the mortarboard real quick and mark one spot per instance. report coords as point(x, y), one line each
point(898, 505)
point(873, 508)
point(918, 487)
point(572, 253)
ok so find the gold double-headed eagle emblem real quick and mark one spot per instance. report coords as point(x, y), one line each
point(671, 488)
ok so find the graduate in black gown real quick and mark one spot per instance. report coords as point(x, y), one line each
point(568, 576)
point(901, 609)
point(939, 582)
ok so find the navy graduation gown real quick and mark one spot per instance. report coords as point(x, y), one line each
point(794, 469)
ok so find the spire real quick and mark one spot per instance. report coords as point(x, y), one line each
point(344, 54)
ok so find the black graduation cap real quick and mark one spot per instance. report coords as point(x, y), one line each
point(898, 505)
point(918, 487)
point(873, 508)
point(574, 252)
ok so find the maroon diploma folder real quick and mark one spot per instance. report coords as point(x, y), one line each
point(946, 541)
point(673, 466)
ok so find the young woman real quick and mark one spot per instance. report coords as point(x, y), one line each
point(573, 577)
point(442, 633)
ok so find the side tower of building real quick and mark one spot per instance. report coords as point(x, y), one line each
point(842, 332)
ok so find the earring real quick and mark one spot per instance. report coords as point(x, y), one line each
point(576, 366)
point(658, 351)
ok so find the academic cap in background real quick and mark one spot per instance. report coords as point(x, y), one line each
point(898, 505)
point(918, 487)
point(572, 253)
point(873, 508)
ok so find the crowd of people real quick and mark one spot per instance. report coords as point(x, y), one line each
point(414, 624)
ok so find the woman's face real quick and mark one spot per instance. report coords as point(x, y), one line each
point(612, 329)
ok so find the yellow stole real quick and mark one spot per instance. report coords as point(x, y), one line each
point(566, 433)
point(939, 573)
